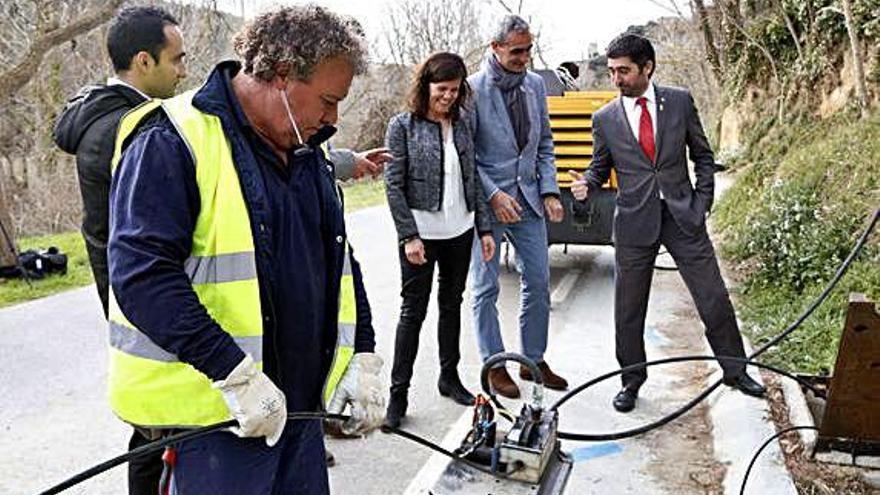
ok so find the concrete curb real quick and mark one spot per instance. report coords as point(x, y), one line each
point(740, 425)
point(799, 411)
point(800, 415)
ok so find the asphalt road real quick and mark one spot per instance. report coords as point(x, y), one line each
point(54, 419)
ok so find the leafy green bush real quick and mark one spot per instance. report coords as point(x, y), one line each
point(795, 240)
point(797, 208)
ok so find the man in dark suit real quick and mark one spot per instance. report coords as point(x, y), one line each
point(644, 135)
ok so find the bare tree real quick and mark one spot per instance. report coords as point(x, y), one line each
point(858, 68)
point(49, 33)
point(417, 28)
point(40, 183)
point(413, 30)
point(7, 247)
point(708, 38)
point(45, 31)
point(780, 6)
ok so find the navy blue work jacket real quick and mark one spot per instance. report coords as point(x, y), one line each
point(299, 237)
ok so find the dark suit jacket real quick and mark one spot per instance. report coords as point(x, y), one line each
point(637, 216)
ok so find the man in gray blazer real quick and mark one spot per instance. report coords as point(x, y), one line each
point(514, 157)
point(645, 135)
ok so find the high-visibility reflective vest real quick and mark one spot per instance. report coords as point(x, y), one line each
point(151, 387)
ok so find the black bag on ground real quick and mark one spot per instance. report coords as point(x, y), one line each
point(37, 264)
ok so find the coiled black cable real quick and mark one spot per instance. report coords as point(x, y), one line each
point(195, 433)
point(165, 442)
point(841, 270)
point(204, 430)
point(198, 432)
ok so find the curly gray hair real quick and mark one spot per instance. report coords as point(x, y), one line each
point(301, 36)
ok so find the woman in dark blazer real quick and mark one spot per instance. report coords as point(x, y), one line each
point(437, 203)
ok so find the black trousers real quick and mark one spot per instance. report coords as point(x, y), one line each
point(98, 263)
point(452, 257)
point(695, 258)
point(143, 472)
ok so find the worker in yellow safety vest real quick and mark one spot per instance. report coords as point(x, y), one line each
point(234, 292)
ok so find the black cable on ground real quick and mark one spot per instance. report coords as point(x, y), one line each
point(604, 437)
point(742, 487)
point(844, 266)
point(191, 434)
point(165, 442)
point(682, 359)
point(161, 444)
point(198, 432)
point(437, 448)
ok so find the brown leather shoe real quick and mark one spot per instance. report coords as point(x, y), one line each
point(502, 383)
point(551, 379)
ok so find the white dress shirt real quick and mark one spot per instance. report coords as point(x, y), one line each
point(116, 81)
point(453, 219)
point(634, 114)
point(634, 111)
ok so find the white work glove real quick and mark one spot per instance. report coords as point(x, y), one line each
point(361, 387)
point(253, 400)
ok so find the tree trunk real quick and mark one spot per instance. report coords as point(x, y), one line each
point(7, 234)
point(15, 78)
point(780, 4)
point(858, 68)
point(731, 26)
point(708, 38)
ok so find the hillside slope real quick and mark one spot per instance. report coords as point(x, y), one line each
point(805, 192)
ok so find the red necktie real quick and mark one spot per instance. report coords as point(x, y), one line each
point(646, 129)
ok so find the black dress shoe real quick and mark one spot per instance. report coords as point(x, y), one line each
point(453, 389)
point(625, 400)
point(395, 413)
point(745, 384)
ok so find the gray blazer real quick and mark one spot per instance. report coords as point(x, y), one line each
point(502, 166)
point(414, 177)
point(637, 216)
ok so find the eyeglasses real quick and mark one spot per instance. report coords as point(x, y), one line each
point(521, 50)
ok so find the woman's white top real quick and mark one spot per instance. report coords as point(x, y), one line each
point(453, 219)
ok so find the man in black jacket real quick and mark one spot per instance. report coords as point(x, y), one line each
point(146, 47)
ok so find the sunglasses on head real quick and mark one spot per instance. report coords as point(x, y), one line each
point(521, 50)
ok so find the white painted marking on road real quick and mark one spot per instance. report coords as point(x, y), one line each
point(427, 477)
point(563, 289)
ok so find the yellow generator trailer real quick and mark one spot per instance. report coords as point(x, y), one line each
point(571, 121)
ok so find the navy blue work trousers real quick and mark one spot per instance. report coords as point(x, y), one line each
point(221, 463)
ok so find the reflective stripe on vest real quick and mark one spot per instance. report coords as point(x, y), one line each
point(346, 328)
point(149, 386)
point(132, 341)
point(221, 268)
